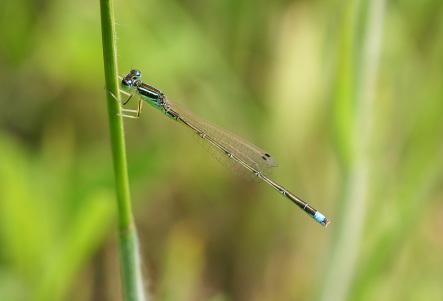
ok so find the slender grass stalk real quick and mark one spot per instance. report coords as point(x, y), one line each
point(132, 282)
point(354, 121)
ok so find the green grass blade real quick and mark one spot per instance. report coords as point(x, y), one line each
point(354, 123)
point(132, 282)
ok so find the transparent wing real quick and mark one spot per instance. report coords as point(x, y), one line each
point(245, 151)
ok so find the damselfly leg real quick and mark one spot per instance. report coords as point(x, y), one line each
point(128, 113)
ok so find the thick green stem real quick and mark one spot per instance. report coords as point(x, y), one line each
point(132, 283)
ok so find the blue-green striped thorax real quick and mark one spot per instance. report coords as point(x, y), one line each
point(132, 83)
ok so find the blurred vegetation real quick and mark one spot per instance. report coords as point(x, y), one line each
point(290, 76)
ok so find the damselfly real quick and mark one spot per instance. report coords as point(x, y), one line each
point(245, 155)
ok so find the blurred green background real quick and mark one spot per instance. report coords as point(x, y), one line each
point(347, 95)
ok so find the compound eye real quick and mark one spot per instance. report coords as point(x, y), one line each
point(136, 73)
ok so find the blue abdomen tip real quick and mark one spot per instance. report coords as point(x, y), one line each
point(321, 218)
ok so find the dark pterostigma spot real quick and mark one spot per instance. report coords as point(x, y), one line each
point(266, 156)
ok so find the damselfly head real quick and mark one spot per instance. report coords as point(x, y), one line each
point(131, 79)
